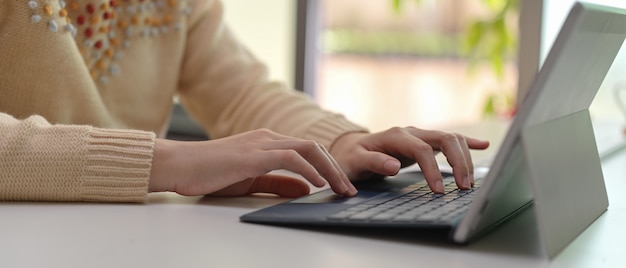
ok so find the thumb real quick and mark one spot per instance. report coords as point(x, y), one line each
point(381, 163)
point(280, 185)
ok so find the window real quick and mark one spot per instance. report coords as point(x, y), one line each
point(383, 66)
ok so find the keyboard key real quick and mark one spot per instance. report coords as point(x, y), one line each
point(417, 204)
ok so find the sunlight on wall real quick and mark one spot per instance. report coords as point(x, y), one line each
point(427, 93)
point(267, 28)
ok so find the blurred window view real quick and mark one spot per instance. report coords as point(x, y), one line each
point(427, 63)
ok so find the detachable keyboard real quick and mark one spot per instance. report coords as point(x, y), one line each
point(418, 204)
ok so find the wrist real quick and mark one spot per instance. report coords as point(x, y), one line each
point(343, 139)
point(163, 166)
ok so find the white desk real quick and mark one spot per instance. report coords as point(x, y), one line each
point(175, 231)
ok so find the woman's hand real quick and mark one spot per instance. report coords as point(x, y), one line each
point(362, 154)
point(239, 165)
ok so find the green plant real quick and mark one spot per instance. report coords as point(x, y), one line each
point(489, 40)
point(486, 39)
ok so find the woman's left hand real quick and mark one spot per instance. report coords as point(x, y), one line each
point(361, 155)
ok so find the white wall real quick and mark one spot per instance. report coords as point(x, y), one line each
point(267, 28)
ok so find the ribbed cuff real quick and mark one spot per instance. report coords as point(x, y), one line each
point(118, 165)
point(326, 131)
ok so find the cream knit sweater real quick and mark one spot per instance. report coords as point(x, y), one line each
point(40, 162)
point(101, 76)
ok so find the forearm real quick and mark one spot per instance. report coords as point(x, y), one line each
point(43, 162)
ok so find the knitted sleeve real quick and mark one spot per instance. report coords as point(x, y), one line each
point(227, 90)
point(44, 162)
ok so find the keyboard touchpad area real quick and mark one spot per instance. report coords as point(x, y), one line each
point(328, 196)
point(382, 188)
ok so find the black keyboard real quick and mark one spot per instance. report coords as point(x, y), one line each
point(418, 204)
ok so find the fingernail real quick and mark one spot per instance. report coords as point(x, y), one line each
point(352, 191)
point(466, 182)
point(321, 182)
point(391, 166)
point(439, 186)
point(347, 188)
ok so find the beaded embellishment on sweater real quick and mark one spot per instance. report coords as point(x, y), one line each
point(103, 29)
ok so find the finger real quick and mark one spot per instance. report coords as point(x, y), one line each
point(398, 141)
point(381, 163)
point(468, 157)
point(350, 190)
point(427, 163)
point(433, 138)
point(291, 160)
point(452, 146)
point(456, 149)
point(280, 185)
point(320, 159)
point(476, 144)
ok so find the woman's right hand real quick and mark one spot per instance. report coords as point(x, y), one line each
point(239, 165)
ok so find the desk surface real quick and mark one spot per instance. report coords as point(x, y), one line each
point(172, 230)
